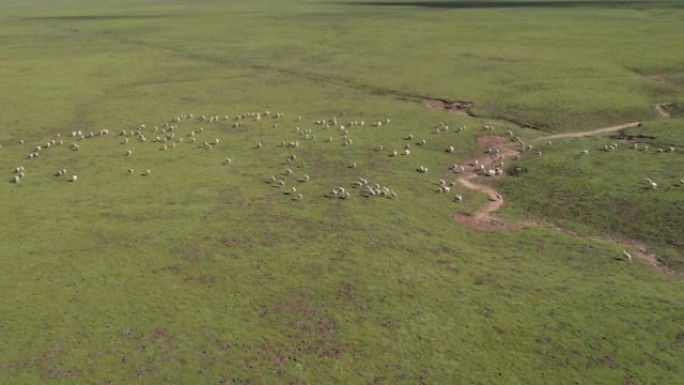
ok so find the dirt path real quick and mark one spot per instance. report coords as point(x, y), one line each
point(582, 134)
point(484, 218)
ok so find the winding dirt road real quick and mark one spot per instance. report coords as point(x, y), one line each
point(594, 132)
point(485, 218)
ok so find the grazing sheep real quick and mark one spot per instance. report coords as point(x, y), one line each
point(130, 171)
point(627, 255)
point(16, 179)
point(584, 152)
point(147, 172)
point(73, 178)
point(450, 149)
point(305, 178)
point(443, 189)
point(127, 153)
point(458, 198)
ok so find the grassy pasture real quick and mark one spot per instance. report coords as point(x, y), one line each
point(203, 272)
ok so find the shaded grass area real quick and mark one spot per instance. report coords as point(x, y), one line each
point(524, 4)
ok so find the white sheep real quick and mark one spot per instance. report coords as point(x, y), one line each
point(73, 178)
point(627, 255)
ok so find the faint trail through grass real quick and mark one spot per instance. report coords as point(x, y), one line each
point(484, 218)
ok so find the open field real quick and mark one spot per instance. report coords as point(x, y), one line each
point(204, 270)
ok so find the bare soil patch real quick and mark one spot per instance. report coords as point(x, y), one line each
point(662, 109)
point(457, 107)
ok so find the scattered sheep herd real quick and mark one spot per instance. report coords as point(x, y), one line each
point(170, 134)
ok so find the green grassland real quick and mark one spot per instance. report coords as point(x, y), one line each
point(204, 272)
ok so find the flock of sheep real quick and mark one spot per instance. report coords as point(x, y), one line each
point(336, 129)
point(174, 132)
